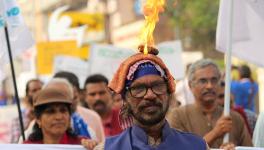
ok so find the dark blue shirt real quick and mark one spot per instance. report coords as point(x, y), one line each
point(244, 92)
point(135, 138)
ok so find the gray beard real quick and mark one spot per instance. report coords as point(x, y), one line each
point(149, 122)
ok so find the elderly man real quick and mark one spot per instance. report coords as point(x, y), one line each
point(146, 86)
point(205, 117)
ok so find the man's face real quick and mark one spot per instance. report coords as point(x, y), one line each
point(151, 108)
point(205, 85)
point(33, 88)
point(98, 97)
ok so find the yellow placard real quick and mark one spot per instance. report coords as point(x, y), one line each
point(46, 51)
point(95, 22)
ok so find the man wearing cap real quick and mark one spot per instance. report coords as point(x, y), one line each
point(146, 86)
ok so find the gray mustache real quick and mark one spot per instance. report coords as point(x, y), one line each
point(209, 92)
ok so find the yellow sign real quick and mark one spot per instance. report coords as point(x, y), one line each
point(46, 51)
point(95, 22)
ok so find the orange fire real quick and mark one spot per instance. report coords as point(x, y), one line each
point(151, 12)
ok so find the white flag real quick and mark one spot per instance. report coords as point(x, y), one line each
point(248, 29)
point(19, 35)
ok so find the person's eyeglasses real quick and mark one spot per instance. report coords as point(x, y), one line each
point(204, 81)
point(141, 90)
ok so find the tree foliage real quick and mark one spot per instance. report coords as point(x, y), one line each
point(194, 19)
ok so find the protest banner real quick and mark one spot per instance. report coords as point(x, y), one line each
point(7, 115)
point(46, 51)
point(171, 53)
point(249, 148)
point(40, 147)
point(105, 59)
point(72, 64)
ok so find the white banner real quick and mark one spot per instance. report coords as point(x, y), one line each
point(105, 59)
point(7, 116)
point(40, 147)
point(72, 147)
point(242, 148)
point(171, 54)
point(249, 148)
point(72, 64)
point(248, 31)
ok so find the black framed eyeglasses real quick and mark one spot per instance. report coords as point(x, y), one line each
point(140, 91)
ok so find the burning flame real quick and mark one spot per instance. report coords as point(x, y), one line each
point(151, 12)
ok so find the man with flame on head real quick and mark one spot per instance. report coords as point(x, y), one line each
point(146, 86)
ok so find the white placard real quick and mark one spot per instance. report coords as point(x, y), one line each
point(105, 59)
point(72, 64)
point(171, 54)
point(40, 147)
point(249, 148)
point(7, 115)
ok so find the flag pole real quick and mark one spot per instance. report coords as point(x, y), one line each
point(228, 58)
point(14, 82)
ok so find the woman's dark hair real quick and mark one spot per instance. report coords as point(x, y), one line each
point(37, 134)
